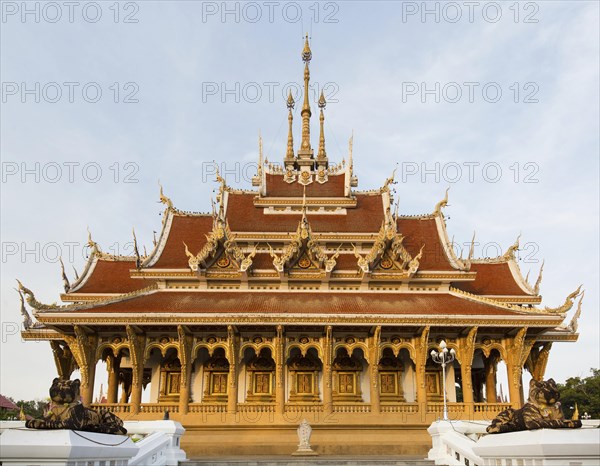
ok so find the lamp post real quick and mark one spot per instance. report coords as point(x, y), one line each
point(443, 357)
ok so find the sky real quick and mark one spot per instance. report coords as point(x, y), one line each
point(100, 100)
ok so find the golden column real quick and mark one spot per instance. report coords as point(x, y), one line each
point(467, 348)
point(137, 346)
point(538, 360)
point(491, 364)
point(184, 350)
point(83, 347)
point(279, 371)
point(327, 360)
point(518, 351)
point(375, 340)
point(420, 344)
point(113, 364)
point(232, 377)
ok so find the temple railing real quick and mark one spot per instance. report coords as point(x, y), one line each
point(437, 407)
point(116, 408)
point(493, 408)
point(207, 408)
point(304, 408)
point(159, 408)
point(352, 408)
point(400, 408)
point(255, 408)
point(465, 411)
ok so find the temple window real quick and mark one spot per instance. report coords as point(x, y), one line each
point(216, 372)
point(261, 375)
point(304, 374)
point(390, 377)
point(346, 376)
point(170, 378)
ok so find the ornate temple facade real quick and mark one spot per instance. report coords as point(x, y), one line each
point(301, 299)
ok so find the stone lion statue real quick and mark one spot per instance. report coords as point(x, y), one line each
point(542, 411)
point(68, 413)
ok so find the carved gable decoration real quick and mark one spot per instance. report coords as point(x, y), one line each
point(220, 252)
point(388, 255)
point(303, 253)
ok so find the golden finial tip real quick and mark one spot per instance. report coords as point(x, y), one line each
point(322, 101)
point(290, 101)
point(306, 52)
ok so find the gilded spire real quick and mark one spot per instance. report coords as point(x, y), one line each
point(260, 153)
point(322, 155)
point(305, 149)
point(289, 155)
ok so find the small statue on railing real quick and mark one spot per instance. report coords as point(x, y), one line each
point(542, 411)
point(67, 412)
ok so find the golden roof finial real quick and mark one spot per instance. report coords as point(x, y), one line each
point(305, 149)
point(350, 149)
point(260, 153)
point(322, 155)
point(306, 52)
point(289, 155)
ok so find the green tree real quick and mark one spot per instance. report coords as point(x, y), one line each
point(585, 392)
point(33, 408)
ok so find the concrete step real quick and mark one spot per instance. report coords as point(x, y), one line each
point(313, 461)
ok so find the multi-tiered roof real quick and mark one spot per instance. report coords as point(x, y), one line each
point(305, 247)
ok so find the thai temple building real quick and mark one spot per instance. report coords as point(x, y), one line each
point(302, 298)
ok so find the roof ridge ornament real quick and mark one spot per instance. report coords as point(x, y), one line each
point(572, 327)
point(443, 203)
point(510, 252)
point(136, 252)
point(538, 282)
point(164, 199)
point(27, 321)
point(389, 181)
point(567, 305)
point(467, 263)
point(65, 279)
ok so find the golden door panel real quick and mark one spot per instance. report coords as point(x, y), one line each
point(390, 386)
point(433, 385)
point(387, 382)
point(304, 383)
point(346, 385)
point(262, 383)
point(218, 384)
point(260, 387)
point(347, 388)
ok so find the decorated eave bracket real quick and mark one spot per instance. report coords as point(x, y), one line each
point(303, 254)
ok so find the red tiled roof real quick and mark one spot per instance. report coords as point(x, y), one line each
point(243, 216)
point(112, 277)
point(419, 231)
point(492, 279)
point(226, 302)
point(192, 230)
point(278, 187)
point(5, 403)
